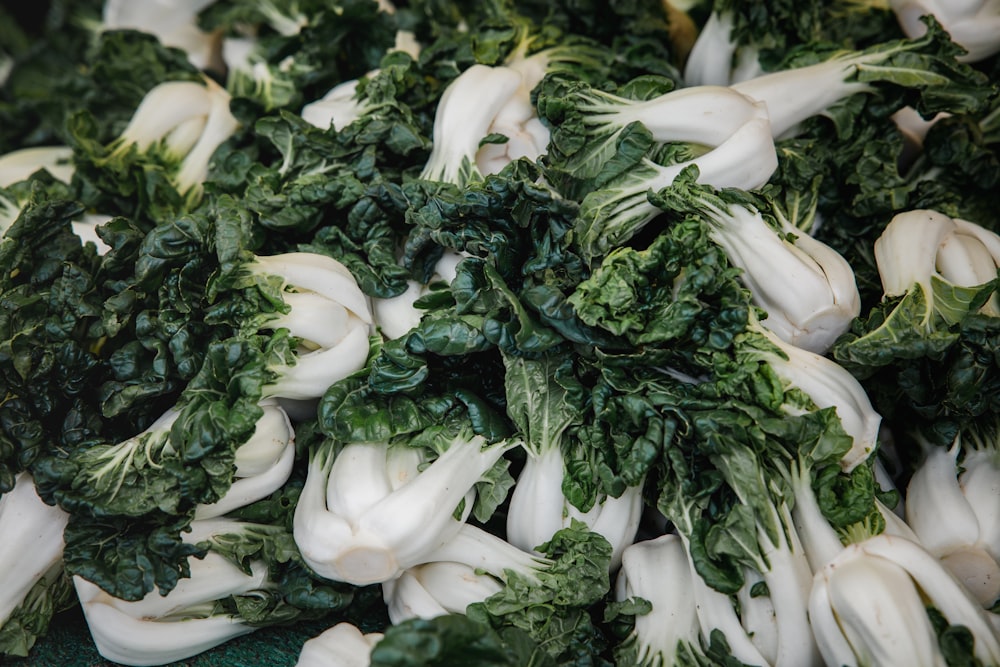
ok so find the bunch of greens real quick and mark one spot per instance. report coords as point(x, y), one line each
point(515, 332)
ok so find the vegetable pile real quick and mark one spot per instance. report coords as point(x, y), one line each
point(504, 333)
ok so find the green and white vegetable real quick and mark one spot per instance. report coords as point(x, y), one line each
point(161, 629)
point(343, 645)
point(349, 520)
point(262, 464)
point(32, 551)
point(187, 121)
point(657, 571)
point(867, 606)
point(956, 528)
point(973, 25)
point(502, 333)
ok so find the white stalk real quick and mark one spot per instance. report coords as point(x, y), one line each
point(937, 511)
point(977, 571)
point(403, 464)
point(866, 611)
point(703, 114)
point(434, 589)
point(358, 479)
point(615, 519)
point(160, 629)
point(941, 589)
point(338, 108)
point(247, 490)
point(212, 578)
point(758, 616)
point(946, 522)
point(315, 319)
point(745, 160)
point(317, 273)
point(18, 165)
point(165, 107)
point(320, 534)
point(657, 570)
point(906, 251)
point(455, 585)
point(343, 645)
point(181, 139)
point(344, 320)
point(783, 94)
point(272, 435)
point(820, 331)
point(173, 22)
point(982, 246)
point(126, 640)
point(219, 126)
point(830, 385)
point(405, 598)
point(972, 24)
point(716, 612)
point(527, 136)
point(210, 528)
point(893, 524)
point(485, 552)
point(428, 501)
point(710, 61)
point(830, 637)
point(820, 542)
point(314, 372)
point(32, 543)
point(788, 579)
point(395, 316)
point(963, 260)
point(806, 287)
point(457, 133)
point(385, 536)
point(537, 504)
point(980, 484)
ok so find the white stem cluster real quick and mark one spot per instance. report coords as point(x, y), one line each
point(329, 314)
point(807, 288)
point(191, 120)
point(20, 164)
point(953, 509)
point(517, 120)
point(160, 629)
point(867, 606)
point(371, 511)
point(175, 24)
point(338, 108)
point(32, 544)
point(745, 158)
point(923, 247)
point(395, 316)
point(973, 24)
point(457, 133)
point(343, 645)
point(828, 384)
point(538, 508)
point(469, 568)
point(500, 100)
point(657, 571)
point(263, 463)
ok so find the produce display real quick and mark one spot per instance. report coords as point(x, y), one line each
point(503, 333)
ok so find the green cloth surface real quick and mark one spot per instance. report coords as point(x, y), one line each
point(68, 644)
